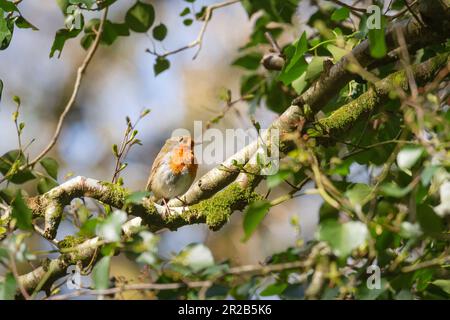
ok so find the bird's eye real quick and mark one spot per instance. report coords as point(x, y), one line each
point(181, 139)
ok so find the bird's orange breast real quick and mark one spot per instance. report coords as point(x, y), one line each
point(182, 157)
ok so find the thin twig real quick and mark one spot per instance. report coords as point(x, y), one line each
point(228, 107)
point(362, 10)
point(272, 42)
point(80, 72)
point(16, 276)
point(197, 42)
point(426, 264)
point(401, 13)
point(262, 269)
point(409, 8)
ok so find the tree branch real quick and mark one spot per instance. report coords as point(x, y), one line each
point(417, 36)
point(324, 89)
point(347, 115)
point(84, 251)
point(57, 268)
point(215, 211)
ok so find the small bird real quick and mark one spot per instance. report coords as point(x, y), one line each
point(173, 170)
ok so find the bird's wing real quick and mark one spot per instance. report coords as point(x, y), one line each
point(159, 158)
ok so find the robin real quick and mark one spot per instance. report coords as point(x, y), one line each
point(173, 170)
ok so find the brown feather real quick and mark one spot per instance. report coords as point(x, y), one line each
point(168, 145)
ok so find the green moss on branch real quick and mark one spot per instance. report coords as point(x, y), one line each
point(215, 211)
point(347, 115)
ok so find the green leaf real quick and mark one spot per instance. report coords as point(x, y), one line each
point(10, 163)
point(22, 23)
point(115, 150)
point(249, 83)
point(146, 245)
point(196, 256)
point(188, 22)
point(8, 194)
point(46, 184)
point(21, 213)
point(160, 32)
point(275, 10)
point(253, 216)
point(391, 189)
point(111, 228)
point(276, 179)
point(136, 197)
point(443, 284)
point(8, 287)
point(111, 31)
point(140, 17)
point(429, 221)
point(296, 64)
point(216, 270)
point(340, 14)
point(342, 168)
point(8, 6)
point(185, 12)
point(89, 227)
point(427, 174)
point(342, 237)
point(407, 157)
point(358, 194)
point(16, 100)
point(87, 3)
point(6, 31)
point(250, 61)
point(315, 67)
point(287, 77)
point(297, 51)
point(300, 84)
point(100, 273)
point(62, 35)
point(273, 289)
point(51, 167)
point(336, 52)
point(161, 65)
point(217, 291)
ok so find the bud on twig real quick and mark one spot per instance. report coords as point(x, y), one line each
point(273, 61)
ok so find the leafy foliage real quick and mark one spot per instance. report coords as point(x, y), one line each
point(393, 217)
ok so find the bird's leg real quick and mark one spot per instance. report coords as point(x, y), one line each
point(183, 202)
point(167, 213)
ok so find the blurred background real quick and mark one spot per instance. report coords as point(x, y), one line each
point(120, 82)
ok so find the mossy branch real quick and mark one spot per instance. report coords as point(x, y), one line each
point(74, 250)
point(214, 211)
point(349, 114)
point(328, 85)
